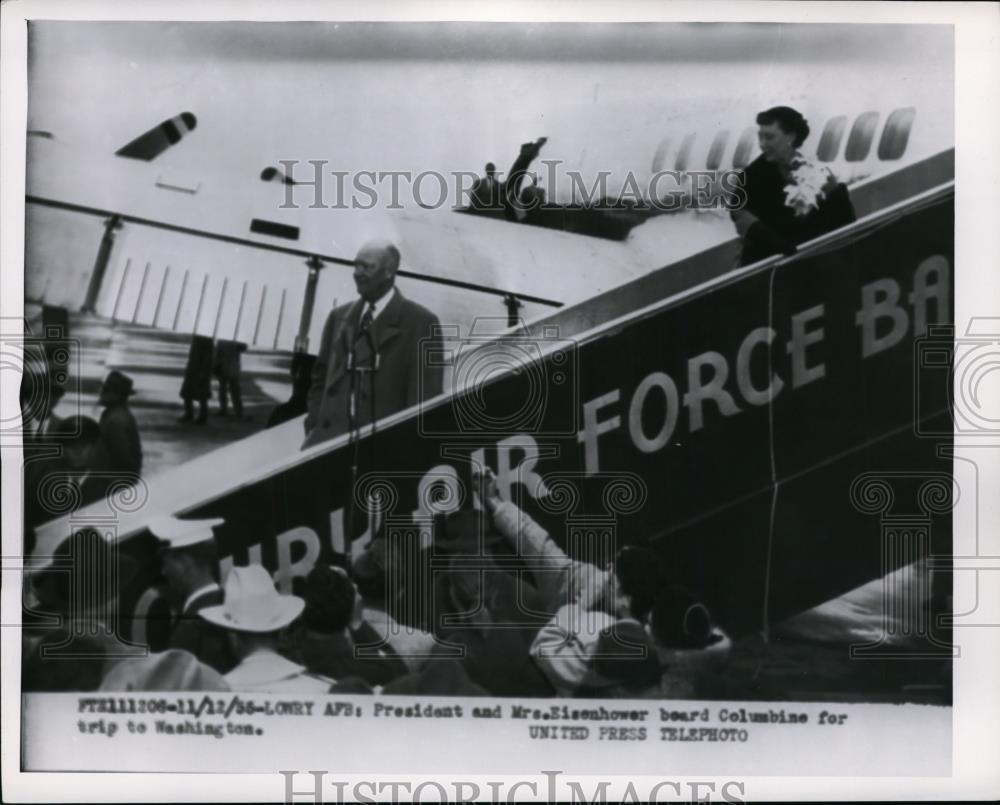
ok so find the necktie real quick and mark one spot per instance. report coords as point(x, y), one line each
point(367, 319)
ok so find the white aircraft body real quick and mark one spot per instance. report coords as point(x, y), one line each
point(187, 255)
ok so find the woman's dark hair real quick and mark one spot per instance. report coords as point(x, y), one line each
point(790, 121)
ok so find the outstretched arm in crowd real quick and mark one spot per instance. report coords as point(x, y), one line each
point(559, 578)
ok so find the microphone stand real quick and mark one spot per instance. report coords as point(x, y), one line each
point(353, 425)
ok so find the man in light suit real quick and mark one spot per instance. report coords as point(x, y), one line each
point(385, 322)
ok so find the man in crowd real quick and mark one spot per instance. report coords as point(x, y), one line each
point(190, 566)
point(119, 432)
point(332, 632)
point(254, 614)
point(372, 347)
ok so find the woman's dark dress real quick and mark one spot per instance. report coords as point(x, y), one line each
point(779, 229)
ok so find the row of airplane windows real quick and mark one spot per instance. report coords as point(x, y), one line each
point(891, 145)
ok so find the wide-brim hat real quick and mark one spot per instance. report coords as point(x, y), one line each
point(78, 570)
point(118, 383)
point(252, 604)
point(174, 533)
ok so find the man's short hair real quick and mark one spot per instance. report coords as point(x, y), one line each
point(789, 120)
point(329, 596)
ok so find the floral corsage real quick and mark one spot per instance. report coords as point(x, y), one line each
point(809, 185)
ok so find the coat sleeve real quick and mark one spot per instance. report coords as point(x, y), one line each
point(837, 209)
point(425, 378)
point(318, 383)
point(559, 577)
point(121, 440)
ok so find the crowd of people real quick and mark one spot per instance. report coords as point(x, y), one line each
point(555, 627)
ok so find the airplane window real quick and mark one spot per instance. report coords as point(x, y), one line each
point(716, 151)
point(829, 141)
point(661, 154)
point(158, 139)
point(684, 153)
point(896, 133)
point(744, 148)
point(860, 141)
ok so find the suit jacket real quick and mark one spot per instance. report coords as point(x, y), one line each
point(266, 671)
point(205, 640)
point(403, 379)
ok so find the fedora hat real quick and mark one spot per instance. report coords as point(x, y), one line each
point(118, 383)
point(252, 604)
point(78, 570)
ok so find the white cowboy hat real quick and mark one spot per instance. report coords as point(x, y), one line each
point(252, 604)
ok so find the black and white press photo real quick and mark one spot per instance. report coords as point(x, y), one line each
point(491, 396)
